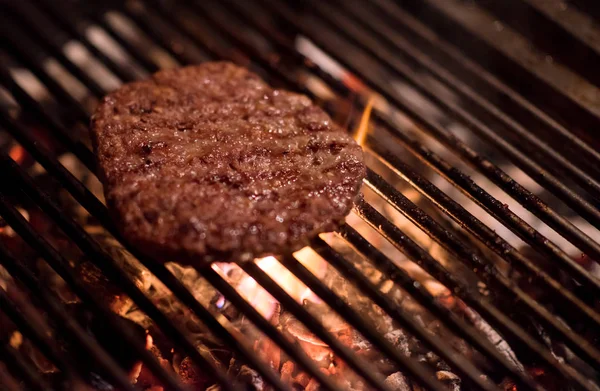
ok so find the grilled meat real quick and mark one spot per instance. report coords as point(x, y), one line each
point(210, 163)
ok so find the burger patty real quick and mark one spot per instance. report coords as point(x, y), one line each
point(209, 163)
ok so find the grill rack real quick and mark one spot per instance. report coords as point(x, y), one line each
point(580, 200)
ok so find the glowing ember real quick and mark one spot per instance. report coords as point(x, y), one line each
point(17, 153)
point(360, 134)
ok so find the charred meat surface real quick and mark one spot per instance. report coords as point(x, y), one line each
point(210, 163)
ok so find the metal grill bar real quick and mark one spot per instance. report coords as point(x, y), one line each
point(486, 235)
point(16, 48)
point(34, 331)
point(547, 317)
point(292, 354)
point(98, 210)
point(567, 111)
point(121, 71)
point(71, 328)
point(418, 292)
point(164, 43)
point(464, 183)
point(269, 330)
point(469, 372)
point(258, 274)
point(132, 50)
point(25, 371)
point(190, 34)
point(482, 80)
point(79, 149)
point(496, 208)
point(360, 366)
point(313, 372)
point(53, 47)
point(105, 262)
point(362, 39)
point(481, 192)
point(486, 270)
point(60, 265)
point(469, 295)
point(563, 46)
point(396, 42)
point(533, 203)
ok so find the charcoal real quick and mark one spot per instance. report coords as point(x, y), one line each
point(287, 371)
point(191, 375)
point(250, 376)
point(495, 338)
point(450, 379)
point(398, 382)
point(399, 339)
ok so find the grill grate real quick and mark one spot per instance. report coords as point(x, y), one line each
point(378, 41)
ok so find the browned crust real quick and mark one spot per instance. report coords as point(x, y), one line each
point(210, 163)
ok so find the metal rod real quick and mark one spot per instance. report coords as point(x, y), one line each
point(158, 269)
point(293, 350)
point(62, 320)
point(544, 312)
point(112, 271)
point(99, 211)
point(582, 152)
point(484, 234)
point(38, 334)
point(158, 38)
point(460, 180)
point(565, 107)
point(24, 370)
point(53, 47)
point(397, 43)
point(64, 19)
point(423, 297)
point(61, 266)
point(134, 51)
point(469, 295)
point(563, 47)
point(519, 193)
point(16, 46)
point(485, 269)
point(77, 147)
point(468, 372)
point(419, 372)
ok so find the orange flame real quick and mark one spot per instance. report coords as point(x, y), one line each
point(260, 299)
point(287, 280)
point(362, 130)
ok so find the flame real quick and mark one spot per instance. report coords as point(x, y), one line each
point(288, 281)
point(259, 298)
point(362, 130)
point(250, 290)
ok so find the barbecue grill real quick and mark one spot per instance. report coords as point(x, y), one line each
point(470, 261)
